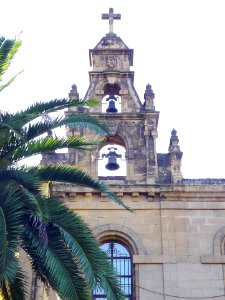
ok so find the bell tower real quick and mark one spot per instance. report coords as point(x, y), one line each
point(132, 123)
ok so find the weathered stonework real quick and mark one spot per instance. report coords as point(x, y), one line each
point(176, 233)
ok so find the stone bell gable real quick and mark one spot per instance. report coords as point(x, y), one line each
point(135, 124)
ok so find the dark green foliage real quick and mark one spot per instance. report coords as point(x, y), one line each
point(60, 246)
point(8, 49)
point(56, 239)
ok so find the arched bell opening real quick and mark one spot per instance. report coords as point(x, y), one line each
point(111, 102)
point(112, 161)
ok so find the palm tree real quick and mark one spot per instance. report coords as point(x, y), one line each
point(60, 246)
point(8, 49)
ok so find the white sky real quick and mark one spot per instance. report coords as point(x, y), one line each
point(179, 49)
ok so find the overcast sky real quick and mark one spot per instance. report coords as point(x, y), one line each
point(178, 47)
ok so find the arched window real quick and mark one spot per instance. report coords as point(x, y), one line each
point(121, 260)
point(219, 242)
point(223, 246)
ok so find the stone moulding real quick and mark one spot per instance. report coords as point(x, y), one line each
point(123, 233)
point(218, 251)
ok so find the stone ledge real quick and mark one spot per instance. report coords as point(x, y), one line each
point(169, 192)
point(192, 205)
point(166, 259)
point(211, 259)
point(154, 259)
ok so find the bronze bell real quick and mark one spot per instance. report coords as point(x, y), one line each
point(112, 164)
point(112, 107)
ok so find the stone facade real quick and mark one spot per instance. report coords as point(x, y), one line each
point(176, 232)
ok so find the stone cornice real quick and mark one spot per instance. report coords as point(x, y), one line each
point(144, 196)
point(105, 73)
point(128, 116)
point(171, 190)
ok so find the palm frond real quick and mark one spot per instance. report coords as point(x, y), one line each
point(29, 189)
point(56, 264)
point(74, 121)
point(17, 289)
point(17, 120)
point(85, 249)
point(86, 121)
point(31, 220)
point(11, 224)
point(8, 49)
point(48, 144)
point(3, 86)
point(59, 251)
point(4, 293)
point(74, 175)
point(3, 241)
point(32, 204)
point(111, 285)
point(78, 238)
point(8, 122)
point(56, 105)
point(23, 176)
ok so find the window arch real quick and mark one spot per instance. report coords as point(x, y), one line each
point(219, 242)
point(121, 259)
point(223, 246)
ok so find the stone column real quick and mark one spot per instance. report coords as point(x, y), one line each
point(151, 134)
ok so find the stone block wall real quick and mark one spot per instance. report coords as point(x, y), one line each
point(175, 235)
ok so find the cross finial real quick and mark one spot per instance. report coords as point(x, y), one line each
point(111, 16)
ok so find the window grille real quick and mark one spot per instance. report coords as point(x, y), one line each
point(120, 259)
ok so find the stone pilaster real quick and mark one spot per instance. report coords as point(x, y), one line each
point(151, 134)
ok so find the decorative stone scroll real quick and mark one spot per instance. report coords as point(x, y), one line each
point(111, 61)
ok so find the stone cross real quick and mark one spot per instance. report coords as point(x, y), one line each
point(111, 16)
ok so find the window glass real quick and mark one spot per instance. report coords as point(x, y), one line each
point(120, 258)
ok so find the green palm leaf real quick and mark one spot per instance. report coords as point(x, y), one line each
point(9, 123)
point(61, 248)
point(11, 228)
point(8, 49)
point(40, 109)
point(74, 175)
point(33, 204)
point(23, 176)
point(3, 241)
point(3, 86)
point(75, 121)
point(49, 144)
point(85, 249)
point(56, 105)
point(4, 293)
point(56, 264)
point(17, 289)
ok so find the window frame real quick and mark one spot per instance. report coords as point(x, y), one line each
point(113, 258)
